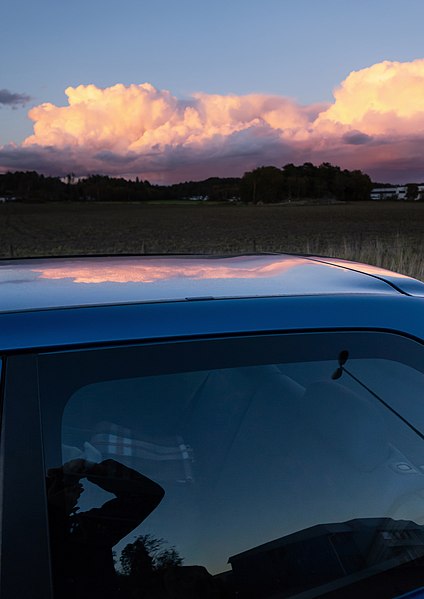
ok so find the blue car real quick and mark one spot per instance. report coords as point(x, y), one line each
point(194, 427)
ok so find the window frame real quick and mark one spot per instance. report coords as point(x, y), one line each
point(24, 560)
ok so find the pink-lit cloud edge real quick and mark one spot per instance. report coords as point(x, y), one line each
point(375, 123)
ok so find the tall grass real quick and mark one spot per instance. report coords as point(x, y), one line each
point(397, 255)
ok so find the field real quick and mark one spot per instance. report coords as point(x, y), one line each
point(386, 234)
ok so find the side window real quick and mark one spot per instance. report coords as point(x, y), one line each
point(256, 467)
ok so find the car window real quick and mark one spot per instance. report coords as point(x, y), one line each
point(253, 467)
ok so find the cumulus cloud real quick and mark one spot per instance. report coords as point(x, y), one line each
point(383, 99)
point(8, 98)
point(140, 118)
point(376, 123)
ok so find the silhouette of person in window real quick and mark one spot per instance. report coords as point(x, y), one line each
point(81, 542)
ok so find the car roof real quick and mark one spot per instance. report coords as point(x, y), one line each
point(45, 283)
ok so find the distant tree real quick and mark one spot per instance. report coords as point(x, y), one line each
point(30, 186)
point(270, 184)
point(70, 178)
point(358, 186)
point(412, 191)
point(146, 555)
point(263, 184)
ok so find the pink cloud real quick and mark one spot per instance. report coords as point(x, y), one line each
point(376, 123)
point(384, 99)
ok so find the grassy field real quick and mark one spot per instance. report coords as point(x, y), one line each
point(384, 234)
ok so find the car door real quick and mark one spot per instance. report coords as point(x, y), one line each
point(254, 466)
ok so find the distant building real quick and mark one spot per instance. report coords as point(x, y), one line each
point(397, 192)
point(329, 556)
point(199, 198)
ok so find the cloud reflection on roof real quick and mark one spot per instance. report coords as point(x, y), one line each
point(150, 270)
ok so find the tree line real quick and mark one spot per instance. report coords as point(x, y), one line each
point(272, 184)
point(266, 184)
point(32, 186)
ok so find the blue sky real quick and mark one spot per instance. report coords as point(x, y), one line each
point(301, 50)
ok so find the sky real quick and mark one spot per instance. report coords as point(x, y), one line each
point(171, 91)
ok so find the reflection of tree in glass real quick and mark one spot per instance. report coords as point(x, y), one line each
point(148, 553)
point(143, 564)
point(153, 570)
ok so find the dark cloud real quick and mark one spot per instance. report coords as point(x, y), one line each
point(45, 160)
point(357, 138)
point(8, 98)
point(228, 156)
point(114, 158)
point(400, 161)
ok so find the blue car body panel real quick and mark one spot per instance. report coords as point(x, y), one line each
point(117, 324)
point(77, 301)
point(72, 282)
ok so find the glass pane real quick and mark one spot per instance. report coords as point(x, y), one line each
point(280, 479)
